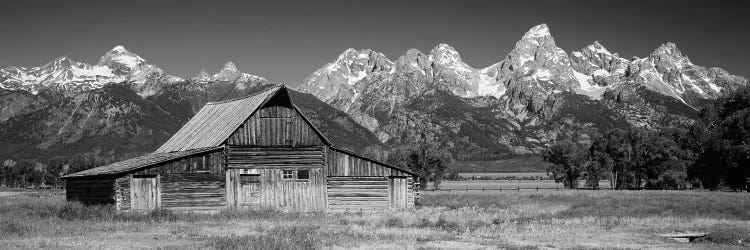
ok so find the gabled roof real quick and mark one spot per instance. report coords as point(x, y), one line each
point(139, 162)
point(216, 121)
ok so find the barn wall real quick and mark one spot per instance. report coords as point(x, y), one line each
point(275, 126)
point(195, 192)
point(357, 193)
point(194, 183)
point(239, 156)
point(343, 164)
point(100, 191)
point(275, 192)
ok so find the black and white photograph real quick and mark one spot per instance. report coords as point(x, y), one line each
point(348, 124)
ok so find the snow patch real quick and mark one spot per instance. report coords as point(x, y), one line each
point(542, 75)
point(586, 88)
point(524, 58)
point(601, 72)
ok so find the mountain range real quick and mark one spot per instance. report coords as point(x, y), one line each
point(123, 106)
point(519, 104)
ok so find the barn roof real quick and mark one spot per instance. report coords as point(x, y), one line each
point(139, 162)
point(216, 121)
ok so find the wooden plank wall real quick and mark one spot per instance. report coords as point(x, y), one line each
point(275, 126)
point(239, 156)
point(357, 193)
point(342, 164)
point(195, 192)
point(291, 195)
point(397, 190)
point(177, 174)
point(145, 195)
point(100, 191)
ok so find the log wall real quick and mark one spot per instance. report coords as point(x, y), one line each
point(358, 193)
point(239, 156)
point(195, 192)
point(275, 126)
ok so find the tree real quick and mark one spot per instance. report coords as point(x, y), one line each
point(426, 160)
point(569, 159)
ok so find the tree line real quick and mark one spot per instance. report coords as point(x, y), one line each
point(37, 174)
point(712, 153)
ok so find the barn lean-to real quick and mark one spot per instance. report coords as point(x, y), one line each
point(254, 152)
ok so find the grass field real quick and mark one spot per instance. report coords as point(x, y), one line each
point(510, 220)
point(477, 185)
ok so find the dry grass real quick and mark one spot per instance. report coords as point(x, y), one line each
point(570, 219)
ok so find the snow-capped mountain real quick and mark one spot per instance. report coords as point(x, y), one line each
point(520, 103)
point(67, 76)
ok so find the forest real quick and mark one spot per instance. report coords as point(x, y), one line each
point(711, 153)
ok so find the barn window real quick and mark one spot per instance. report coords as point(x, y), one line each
point(303, 174)
point(296, 174)
point(287, 174)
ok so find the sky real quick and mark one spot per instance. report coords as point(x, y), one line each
point(285, 41)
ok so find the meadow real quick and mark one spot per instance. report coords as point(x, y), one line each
point(507, 220)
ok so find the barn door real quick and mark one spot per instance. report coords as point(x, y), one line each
point(144, 192)
point(397, 188)
point(249, 195)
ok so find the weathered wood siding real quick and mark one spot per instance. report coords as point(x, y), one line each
point(238, 156)
point(193, 184)
point(272, 191)
point(343, 164)
point(195, 192)
point(275, 126)
point(275, 192)
point(397, 190)
point(145, 193)
point(347, 193)
point(99, 191)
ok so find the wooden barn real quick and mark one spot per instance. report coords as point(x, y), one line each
point(255, 152)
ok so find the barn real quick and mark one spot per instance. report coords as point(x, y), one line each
point(256, 152)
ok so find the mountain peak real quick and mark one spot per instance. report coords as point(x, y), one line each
point(540, 30)
point(669, 53)
point(229, 66)
point(120, 49)
point(120, 55)
point(444, 47)
point(228, 73)
point(444, 53)
point(203, 75)
point(668, 48)
point(598, 48)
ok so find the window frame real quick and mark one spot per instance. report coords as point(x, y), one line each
point(294, 174)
